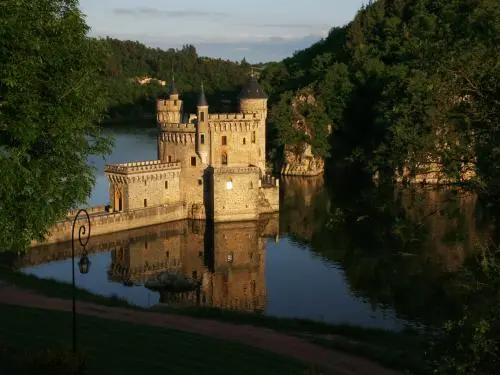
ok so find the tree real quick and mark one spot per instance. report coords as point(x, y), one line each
point(52, 102)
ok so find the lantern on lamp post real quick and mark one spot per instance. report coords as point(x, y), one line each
point(83, 264)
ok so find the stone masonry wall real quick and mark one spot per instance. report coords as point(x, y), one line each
point(236, 194)
point(153, 192)
point(242, 146)
point(115, 222)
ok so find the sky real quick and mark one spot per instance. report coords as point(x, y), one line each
point(259, 30)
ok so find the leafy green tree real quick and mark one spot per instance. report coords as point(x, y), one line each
point(52, 100)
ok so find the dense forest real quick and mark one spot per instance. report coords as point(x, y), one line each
point(406, 82)
point(128, 61)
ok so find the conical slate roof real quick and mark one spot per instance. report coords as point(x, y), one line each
point(252, 90)
point(202, 100)
point(172, 89)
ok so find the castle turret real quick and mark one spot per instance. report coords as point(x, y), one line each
point(169, 109)
point(203, 146)
point(253, 99)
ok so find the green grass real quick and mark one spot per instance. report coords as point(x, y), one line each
point(54, 288)
point(409, 359)
point(111, 347)
point(372, 335)
point(399, 350)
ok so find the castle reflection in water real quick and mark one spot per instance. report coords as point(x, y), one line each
point(227, 258)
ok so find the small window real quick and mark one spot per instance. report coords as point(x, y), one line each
point(167, 254)
point(224, 159)
point(145, 183)
point(202, 116)
point(145, 202)
point(202, 139)
point(175, 103)
point(146, 244)
point(200, 182)
point(244, 141)
point(253, 137)
point(169, 159)
point(224, 140)
point(193, 161)
point(166, 184)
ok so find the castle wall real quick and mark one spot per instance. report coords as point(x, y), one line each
point(178, 144)
point(116, 222)
point(241, 148)
point(235, 194)
point(153, 192)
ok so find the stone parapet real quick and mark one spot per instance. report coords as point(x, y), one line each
point(236, 170)
point(116, 222)
point(141, 167)
point(234, 126)
point(91, 211)
point(234, 116)
point(179, 128)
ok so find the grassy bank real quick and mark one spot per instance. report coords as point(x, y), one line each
point(111, 347)
point(400, 350)
point(53, 288)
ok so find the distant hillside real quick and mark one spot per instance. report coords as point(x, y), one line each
point(129, 61)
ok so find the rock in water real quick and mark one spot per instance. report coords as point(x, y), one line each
point(173, 282)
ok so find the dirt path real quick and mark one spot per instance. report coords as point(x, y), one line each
point(263, 338)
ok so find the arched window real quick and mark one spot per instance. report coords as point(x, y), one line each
point(224, 158)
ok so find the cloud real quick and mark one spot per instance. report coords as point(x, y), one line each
point(153, 12)
point(291, 26)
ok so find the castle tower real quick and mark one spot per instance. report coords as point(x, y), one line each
point(202, 136)
point(253, 100)
point(169, 110)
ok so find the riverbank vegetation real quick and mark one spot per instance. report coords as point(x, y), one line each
point(406, 83)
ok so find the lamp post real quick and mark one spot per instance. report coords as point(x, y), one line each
point(83, 264)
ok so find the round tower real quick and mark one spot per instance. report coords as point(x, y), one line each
point(202, 136)
point(253, 100)
point(169, 107)
point(252, 97)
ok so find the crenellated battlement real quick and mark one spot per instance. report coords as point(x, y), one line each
point(234, 116)
point(236, 170)
point(233, 126)
point(180, 128)
point(140, 167)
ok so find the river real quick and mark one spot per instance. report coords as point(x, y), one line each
point(310, 262)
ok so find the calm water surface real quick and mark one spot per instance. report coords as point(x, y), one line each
point(291, 265)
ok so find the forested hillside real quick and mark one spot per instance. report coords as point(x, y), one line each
point(129, 60)
point(405, 81)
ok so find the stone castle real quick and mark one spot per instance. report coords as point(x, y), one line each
point(210, 165)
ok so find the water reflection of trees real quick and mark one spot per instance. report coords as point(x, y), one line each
point(398, 248)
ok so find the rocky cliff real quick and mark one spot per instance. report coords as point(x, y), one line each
point(299, 160)
point(302, 163)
